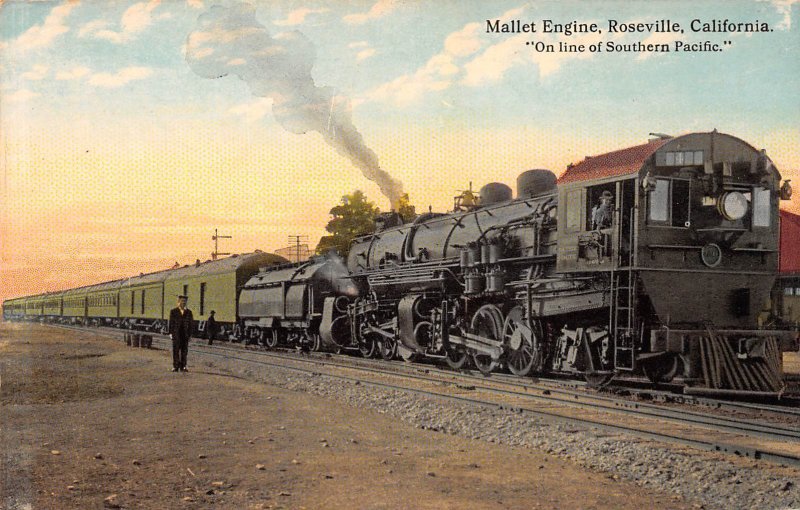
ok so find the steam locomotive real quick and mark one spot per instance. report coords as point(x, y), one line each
point(655, 259)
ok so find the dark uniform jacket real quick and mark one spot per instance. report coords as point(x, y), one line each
point(180, 325)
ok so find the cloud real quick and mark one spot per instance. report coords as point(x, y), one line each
point(36, 73)
point(436, 75)
point(195, 4)
point(20, 96)
point(365, 54)
point(468, 58)
point(358, 44)
point(491, 65)
point(124, 76)
point(134, 20)
point(298, 16)
point(252, 111)
point(464, 42)
point(379, 9)
point(40, 36)
point(408, 88)
point(92, 26)
point(74, 74)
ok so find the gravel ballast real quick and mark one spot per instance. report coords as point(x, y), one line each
point(712, 481)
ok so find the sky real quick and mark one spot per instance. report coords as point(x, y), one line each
point(122, 150)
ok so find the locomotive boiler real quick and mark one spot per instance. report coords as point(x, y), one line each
point(654, 259)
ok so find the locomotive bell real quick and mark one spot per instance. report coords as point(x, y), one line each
point(786, 190)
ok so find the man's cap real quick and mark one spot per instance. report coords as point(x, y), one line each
point(183, 297)
point(606, 194)
point(212, 312)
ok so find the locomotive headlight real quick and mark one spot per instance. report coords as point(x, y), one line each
point(732, 205)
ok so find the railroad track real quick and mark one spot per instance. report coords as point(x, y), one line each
point(789, 407)
point(741, 437)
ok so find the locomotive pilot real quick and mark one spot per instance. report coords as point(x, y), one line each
point(601, 213)
point(180, 330)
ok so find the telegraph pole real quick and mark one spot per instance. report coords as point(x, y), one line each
point(297, 239)
point(216, 237)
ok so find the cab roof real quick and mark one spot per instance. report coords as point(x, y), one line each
point(612, 164)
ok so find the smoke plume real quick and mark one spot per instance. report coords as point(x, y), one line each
point(231, 41)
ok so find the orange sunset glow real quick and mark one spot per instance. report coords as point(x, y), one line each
point(118, 159)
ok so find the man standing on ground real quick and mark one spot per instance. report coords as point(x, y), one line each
point(180, 329)
point(211, 328)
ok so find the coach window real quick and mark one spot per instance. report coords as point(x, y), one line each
point(202, 297)
point(142, 301)
point(761, 209)
point(133, 301)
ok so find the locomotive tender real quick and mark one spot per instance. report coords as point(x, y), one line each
point(655, 259)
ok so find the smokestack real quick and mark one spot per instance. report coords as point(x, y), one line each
point(231, 41)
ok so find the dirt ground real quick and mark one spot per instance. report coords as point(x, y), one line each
point(86, 422)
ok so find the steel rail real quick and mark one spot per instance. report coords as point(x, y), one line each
point(554, 386)
point(713, 446)
point(734, 449)
point(596, 402)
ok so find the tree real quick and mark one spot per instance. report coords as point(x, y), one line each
point(352, 217)
point(404, 208)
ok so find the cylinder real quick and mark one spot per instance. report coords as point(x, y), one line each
point(485, 253)
point(473, 283)
point(495, 252)
point(495, 281)
point(473, 255)
point(535, 182)
point(464, 258)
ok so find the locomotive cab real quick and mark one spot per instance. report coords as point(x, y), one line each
point(688, 255)
point(598, 225)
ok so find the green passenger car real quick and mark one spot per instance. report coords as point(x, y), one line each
point(74, 306)
point(51, 306)
point(214, 285)
point(14, 309)
point(33, 307)
point(141, 301)
point(102, 303)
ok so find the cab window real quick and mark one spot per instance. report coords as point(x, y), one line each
point(761, 207)
point(659, 201)
point(574, 210)
point(669, 202)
